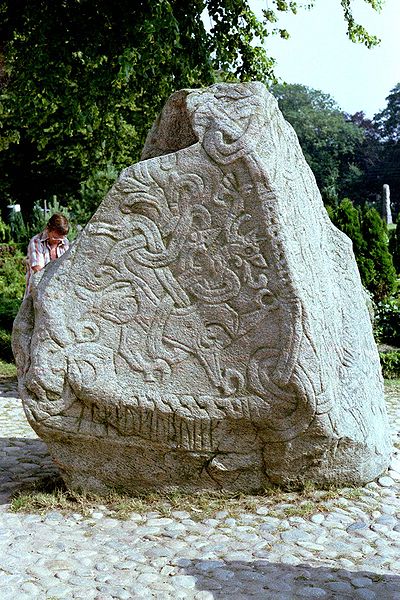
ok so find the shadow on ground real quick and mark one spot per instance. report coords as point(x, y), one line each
point(24, 464)
point(264, 580)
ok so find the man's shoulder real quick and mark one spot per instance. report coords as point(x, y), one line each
point(35, 239)
point(38, 236)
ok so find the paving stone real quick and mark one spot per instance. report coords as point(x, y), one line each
point(365, 594)
point(295, 535)
point(340, 587)
point(357, 526)
point(184, 581)
point(204, 595)
point(385, 481)
point(313, 592)
point(58, 591)
point(251, 555)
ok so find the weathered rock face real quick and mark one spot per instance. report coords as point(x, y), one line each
point(208, 329)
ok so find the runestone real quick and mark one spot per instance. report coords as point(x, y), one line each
point(208, 329)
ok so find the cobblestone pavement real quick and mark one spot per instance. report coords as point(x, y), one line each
point(349, 550)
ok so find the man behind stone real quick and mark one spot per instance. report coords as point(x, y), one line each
point(46, 246)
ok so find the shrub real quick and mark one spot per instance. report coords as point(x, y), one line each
point(5, 346)
point(12, 288)
point(19, 230)
point(370, 240)
point(374, 230)
point(39, 218)
point(387, 321)
point(92, 193)
point(8, 311)
point(5, 231)
point(390, 363)
point(394, 245)
point(12, 272)
point(348, 219)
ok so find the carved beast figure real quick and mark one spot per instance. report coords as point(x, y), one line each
point(208, 329)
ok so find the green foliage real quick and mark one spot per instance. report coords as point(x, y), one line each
point(40, 217)
point(394, 245)
point(355, 31)
point(383, 279)
point(5, 345)
point(368, 233)
point(9, 308)
point(348, 219)
point(390, 363)
point(387, 321)
point(18, 228)
point(388, 120)
point(12, 272)
point(92, 192)
point(387, 123)
point(76, 99)
point(12, 288)
point(328, 139)
point(80, 97)
point(5, 231)
point(8, 371)
point(234, 29)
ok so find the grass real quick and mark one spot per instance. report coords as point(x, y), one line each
point(120, 506)
point(304, 509)
point(8, 371)
point(392, 385)
point(353, 493)
point(53, 496)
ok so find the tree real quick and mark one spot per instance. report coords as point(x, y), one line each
point(394, 245)
point(348, 219)
point(378, 157)
point(329, 140)
point(369, 235)
point(82, 95)
point(82, 81)
point(368, 162)
point(388, 125)
point(384, 280)
point(388, 120)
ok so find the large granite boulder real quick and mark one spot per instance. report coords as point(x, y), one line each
point(209, 328)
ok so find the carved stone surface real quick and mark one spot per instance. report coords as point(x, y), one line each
point(386, 208)
point(208, 329)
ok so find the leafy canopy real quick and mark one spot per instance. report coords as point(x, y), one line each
point(81, 81)
point(388, 121)
point(328, 139)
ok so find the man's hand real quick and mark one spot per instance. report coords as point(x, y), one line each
point(36, 268)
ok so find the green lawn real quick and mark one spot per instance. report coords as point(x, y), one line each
point(8, 371)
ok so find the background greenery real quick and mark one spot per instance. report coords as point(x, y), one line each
point(81, 82)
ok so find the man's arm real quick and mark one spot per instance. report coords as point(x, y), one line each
point(35, 256)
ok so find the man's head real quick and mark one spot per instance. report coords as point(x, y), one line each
point(57, 227)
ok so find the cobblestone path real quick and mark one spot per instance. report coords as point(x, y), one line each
point(349, 550)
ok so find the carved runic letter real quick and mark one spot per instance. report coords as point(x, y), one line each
point(208, 329)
